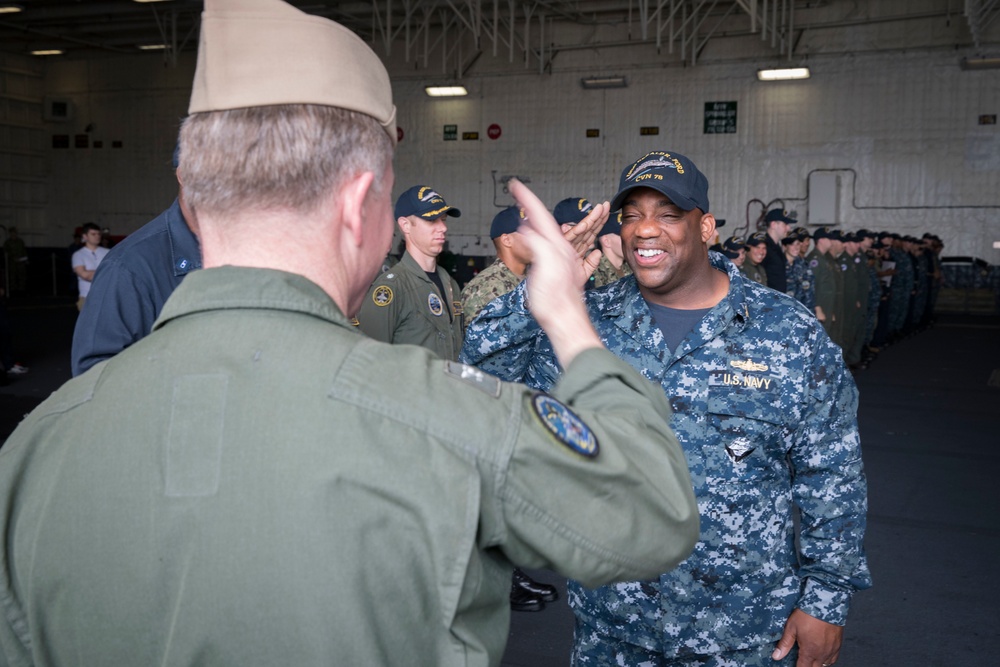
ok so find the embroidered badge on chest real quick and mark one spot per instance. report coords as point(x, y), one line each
point(382, 296)
point(434, 304)
point(565, 425)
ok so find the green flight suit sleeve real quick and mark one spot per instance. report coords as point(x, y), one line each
point(382, 309)
point(627, 513)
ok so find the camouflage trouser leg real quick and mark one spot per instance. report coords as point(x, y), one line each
point(593, 649)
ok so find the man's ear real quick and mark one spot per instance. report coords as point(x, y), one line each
point(353, 194)
point(404, 224)
point(707, 227)
point(505, 240)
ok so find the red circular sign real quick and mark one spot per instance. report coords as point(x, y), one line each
point(493, 131)
point(399, 133)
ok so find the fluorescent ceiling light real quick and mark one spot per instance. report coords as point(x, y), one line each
point(47, 52)
point(446, 91)
point(152, 47)
point(10, 9)
point(783, 74)
point(593, 82)
point(980, 62)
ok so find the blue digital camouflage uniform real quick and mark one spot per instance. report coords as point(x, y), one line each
point(800, 284)
point(874, 299)
point(824, 285)
point(493, 281)
point(902, 288)
point(766, 413)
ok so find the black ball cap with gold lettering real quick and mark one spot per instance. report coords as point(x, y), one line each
point(423, 202)
point(669, 173)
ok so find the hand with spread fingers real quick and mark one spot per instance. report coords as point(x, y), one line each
point(555, 296)
point(819, 641)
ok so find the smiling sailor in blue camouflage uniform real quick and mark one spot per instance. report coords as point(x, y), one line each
point(766, 413)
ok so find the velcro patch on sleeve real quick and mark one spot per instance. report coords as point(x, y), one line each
point(382, 296)
point(471, 375)
point(565, 425)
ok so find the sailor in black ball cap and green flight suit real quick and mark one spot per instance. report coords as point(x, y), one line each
point(416, 301)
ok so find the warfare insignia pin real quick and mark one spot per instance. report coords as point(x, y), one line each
point(565, 425)
point(456, 307)
point(748, 365)
point(354, 322)
point(434, 304)
point(739, 449)
point(382, 296)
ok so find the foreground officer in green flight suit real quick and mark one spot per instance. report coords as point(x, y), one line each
point(416, 301)
point(256, 483)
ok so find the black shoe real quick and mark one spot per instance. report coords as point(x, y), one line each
point(544, 591)
point(522, 599)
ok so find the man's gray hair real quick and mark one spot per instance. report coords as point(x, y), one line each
point(276, 157)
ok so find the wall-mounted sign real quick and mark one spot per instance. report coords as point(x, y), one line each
point(720, 117)
point(494, 131)
point(60, 141)
point(593, 133)
point(81, 141)
point(470, 136)
point(451, 132)
point(988, 119)
point(649, 131)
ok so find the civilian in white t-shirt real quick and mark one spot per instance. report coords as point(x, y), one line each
point(86, 260)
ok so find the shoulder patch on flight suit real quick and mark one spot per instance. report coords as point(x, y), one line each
point(434, 304)
point(565, 425)
point(473, 376)
point(382, 296)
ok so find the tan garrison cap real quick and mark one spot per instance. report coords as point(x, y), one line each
point(256, 53)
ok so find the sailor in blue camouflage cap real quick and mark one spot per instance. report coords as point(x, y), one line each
point(767, 415)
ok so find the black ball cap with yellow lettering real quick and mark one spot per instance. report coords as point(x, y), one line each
point(423, 202)
point(669, 173)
